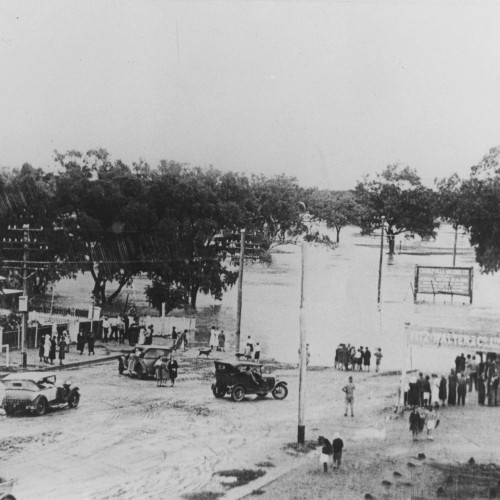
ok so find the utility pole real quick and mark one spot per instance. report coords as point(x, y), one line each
point(303, 353)
point(455, 247)
point(240, 290)
point(381, 256)
point(23, 301)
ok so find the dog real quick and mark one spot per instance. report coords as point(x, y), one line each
point(240, 355)
point(205, 352)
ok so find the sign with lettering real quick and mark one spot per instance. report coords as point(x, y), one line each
point(443, 280)
point(445, 337)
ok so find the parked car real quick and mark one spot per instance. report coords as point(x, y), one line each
point(37, 392)
point(240, 379)
point(142, 359)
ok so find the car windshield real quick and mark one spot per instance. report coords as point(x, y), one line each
point(155, 353)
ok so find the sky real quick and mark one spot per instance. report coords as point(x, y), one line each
point(326, 91)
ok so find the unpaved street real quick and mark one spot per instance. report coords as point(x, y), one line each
point(130, 439)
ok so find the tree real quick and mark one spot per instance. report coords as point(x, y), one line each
point(337, 208)
point(397, 194)
point(479, 210)
point(104, 220)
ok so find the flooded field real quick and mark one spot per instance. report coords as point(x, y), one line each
point(341, 300)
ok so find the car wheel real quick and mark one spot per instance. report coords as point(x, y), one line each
point(74, 399)
point(41, 406)
point(9, 497)
point(219, 392)
point(238, 393)
point(280, 391)
point(121, 368)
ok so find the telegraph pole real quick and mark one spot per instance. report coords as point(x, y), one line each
point(455, 247)
point(240, 290)
point(380, 261)
point(303, 353)
point(23, 300)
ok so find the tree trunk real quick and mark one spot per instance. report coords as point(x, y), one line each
point(123, 281)
point(99, 290)
point(338, 233)
point(193, 294)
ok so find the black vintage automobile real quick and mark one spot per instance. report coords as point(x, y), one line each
point(240, 379)
point(139, 362)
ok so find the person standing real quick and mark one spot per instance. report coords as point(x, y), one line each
point(414, 423)
point(172, 370)
point(41, 347)
point(53, 348)
point(367, 358)
point(420, 387)
point(378, 356)
point(461, 363)
point(462, 389)
point(256, 354)
point(250, 345)
point(62, 351)
point(91, 342)
point(46, 348)
point(113, 324)
point(349, 397)
point(473, 373)
point(222, 341)
point(430, 423)
point(427, 391)
point(80, 342)
point(358, 358)
point(481, 390)
point(442, 390)
point(175, 335)
point(105, 329)
point(435, 383)
point(149, 335)
point(337, 445)
point(452, 388)
point(121, 329)
point(213, 338)
point(326, 451)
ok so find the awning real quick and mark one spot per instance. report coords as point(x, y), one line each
point(10, 291)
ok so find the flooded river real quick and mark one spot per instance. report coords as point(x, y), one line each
point(341, 301)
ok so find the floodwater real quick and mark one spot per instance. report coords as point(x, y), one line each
point(341, 301)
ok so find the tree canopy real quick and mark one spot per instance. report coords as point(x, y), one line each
point(397, 194)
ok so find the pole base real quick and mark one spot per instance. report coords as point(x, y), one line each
point(301, 435)
point(25, 359)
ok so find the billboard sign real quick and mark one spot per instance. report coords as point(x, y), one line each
point(446, 337)
point(443, 280)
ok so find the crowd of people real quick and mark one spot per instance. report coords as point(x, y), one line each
point(53, 345)
point(347, 357)
point(470, 374)
point(120, 328)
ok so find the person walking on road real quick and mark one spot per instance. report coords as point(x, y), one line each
point(52, 350)
point(349, 397)
point(378, 356)
point(452, 388)
point(337, 445)
point(222, 341)
point(80, 342)
point(172, 370)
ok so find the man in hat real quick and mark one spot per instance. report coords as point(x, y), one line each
point(349, 397)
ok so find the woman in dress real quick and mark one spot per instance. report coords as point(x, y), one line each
point(431, 423)
point(452, 388)
point(62, 350)
point(172, 370)
point(442, 390)
point(435, 390)
point(46, 349)
point(53, 348)
point(41, 348)
point(414, 423)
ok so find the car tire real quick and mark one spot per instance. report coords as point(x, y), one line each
point(280, 391)
point(121, 367)
point(41, 406)
point(238, 393)
point(219, 392)
point(74, 399)
point(9, 497)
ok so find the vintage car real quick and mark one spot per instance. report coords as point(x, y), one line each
point(37, 392)
point(240, 379)
point(139, 362)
